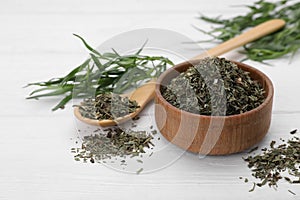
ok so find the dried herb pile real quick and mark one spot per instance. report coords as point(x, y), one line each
point(114, 143)
point(283, 42)
point(277, 162)
point(215, 86)
point(107, 106)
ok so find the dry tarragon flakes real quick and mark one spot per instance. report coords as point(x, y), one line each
point(107, 106)
point(213, 86)
point(274, 162)
point(114, 143)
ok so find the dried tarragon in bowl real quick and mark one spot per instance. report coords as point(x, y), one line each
point(214, 84)
point(107, 106)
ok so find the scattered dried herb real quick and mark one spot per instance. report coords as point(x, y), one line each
point(139, 171)
point(136, 118)
point(154, 132)
point(273, 162)
point(293, 131)
point(107, 106)
point(254, 149)
point(114, 143)
point(252, 189)
point(283, 42)
point(293, 193)
point(101, 73)
point(215, 84)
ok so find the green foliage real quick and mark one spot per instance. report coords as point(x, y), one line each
point(283, 42)
point(101, 73)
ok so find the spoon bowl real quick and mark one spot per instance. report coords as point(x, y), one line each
point(142, 95)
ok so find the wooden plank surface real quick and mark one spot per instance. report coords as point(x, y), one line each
point(36, 163)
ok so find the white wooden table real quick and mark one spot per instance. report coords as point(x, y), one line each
point(36, 44)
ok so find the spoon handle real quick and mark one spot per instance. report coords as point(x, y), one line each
point(247, 37)
point(144, 93)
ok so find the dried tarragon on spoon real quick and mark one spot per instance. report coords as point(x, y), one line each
point(107, 106)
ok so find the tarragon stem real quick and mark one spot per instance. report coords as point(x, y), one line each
point(101, 73)
point(281, 43)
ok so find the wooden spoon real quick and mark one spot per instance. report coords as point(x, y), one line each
point(142, 95)
point(255, 33)
point(146, 93)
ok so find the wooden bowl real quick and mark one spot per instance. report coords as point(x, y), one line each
point(213, 135)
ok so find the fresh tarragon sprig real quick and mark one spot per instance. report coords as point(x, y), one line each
point(101, 73)
point(283, 42)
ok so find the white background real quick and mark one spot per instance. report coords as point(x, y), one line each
point(36, 44)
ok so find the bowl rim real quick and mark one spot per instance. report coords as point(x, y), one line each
point(267, 100)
